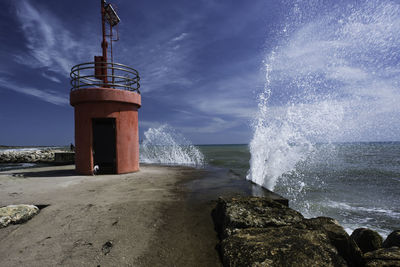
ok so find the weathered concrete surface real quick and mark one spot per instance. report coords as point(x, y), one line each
point(144, 215)
point(14, 214)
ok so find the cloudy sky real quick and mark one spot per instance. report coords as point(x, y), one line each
point(200, 64)
point(203, 64)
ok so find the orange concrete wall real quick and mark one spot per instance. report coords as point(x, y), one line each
point(106, 103)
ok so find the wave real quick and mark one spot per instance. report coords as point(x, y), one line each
point(346, 206)
point(163, 145)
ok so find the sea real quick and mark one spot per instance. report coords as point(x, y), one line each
point(358, 184)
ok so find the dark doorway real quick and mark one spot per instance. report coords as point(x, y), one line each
point(104, 152)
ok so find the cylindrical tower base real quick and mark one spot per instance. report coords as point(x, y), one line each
point(106, 130)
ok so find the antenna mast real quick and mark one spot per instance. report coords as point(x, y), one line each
point(104, 43)
point(108, 15)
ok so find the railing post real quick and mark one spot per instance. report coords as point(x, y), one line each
point(79, 78)
point(112, 72)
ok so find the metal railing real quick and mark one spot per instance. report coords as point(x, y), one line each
point(91, 74)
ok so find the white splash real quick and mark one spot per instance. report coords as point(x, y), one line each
point(332, 77)
point(163, 145)
point(281, 142)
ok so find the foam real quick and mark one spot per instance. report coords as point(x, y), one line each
point(163, 145)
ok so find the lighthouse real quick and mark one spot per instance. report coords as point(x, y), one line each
point(106, 98)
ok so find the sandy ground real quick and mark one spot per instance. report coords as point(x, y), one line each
point(146, 216)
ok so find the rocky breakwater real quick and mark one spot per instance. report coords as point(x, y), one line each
point(256, 231)
point(27, 156)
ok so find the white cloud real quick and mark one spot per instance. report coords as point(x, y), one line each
point(49, 43)
point(232, 96)
point(51, 78)
point(180, 37)
point(210, 125)
point(45, 95)
point(237, 108)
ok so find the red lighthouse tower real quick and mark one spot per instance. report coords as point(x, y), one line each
point(106, 98)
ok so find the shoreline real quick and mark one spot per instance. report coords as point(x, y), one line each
point(146, 217)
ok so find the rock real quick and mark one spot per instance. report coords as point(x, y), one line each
point(233, 216)
point(392, 240)
point(107, 247)
point(279, 246)
point(338, 237)
point(251, 212)
point(383, 257)
point(257, 231)
point(15, 214)
point(367, 239)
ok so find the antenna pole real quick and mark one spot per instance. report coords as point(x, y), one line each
point(104, 43)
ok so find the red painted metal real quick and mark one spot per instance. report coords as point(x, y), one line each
point(104, 43)
point(99, 67)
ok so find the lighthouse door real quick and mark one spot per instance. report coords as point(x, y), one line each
point(104, 152)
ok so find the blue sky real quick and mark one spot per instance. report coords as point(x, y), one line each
point(200, 64)
point(203, 64)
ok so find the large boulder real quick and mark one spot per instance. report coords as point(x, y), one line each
point(338, 237)
point(367, 239)
point(279, 246)
point(14, 214)
point(261, 232)
point(383, 257)
point(251, 212)
point(392, 240)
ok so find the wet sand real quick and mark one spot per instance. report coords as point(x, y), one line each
point(148, 217)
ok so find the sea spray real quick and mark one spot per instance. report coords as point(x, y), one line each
point(163, 145)
point(331, 77)
point(283, 136)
